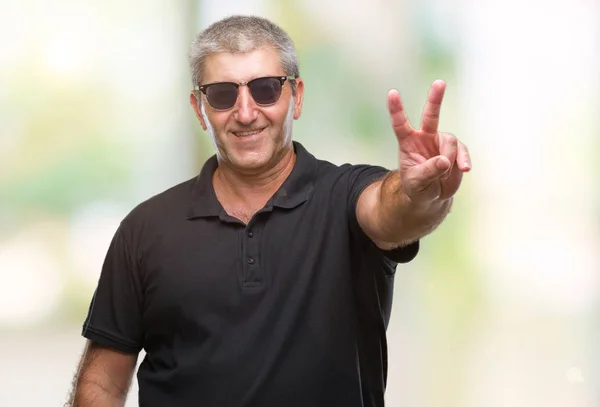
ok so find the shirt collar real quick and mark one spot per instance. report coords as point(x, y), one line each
point(296, 189)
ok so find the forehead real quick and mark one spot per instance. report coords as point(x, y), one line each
point(242, 66)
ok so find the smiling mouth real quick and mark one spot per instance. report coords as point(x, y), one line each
point(248, 133)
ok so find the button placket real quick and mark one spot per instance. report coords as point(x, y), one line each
point(251, 275)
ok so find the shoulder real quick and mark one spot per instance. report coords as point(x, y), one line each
point(325, 172)
point(348, 172)
point(162, 207)
point(352, 179)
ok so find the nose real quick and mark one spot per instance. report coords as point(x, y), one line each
point(246, 110)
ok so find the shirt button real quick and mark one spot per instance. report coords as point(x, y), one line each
point(250, 260)
point(250, 234)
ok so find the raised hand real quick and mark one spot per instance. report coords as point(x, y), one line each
point(430, 163)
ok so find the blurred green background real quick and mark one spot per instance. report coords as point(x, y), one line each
point(501, 306)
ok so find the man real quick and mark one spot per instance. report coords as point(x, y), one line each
point(267, 279)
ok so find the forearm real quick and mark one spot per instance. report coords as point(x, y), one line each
point(94, 390)
point(401, 221)
point(103, 378)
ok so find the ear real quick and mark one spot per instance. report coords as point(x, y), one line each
point(195, 103)
point(299, 98)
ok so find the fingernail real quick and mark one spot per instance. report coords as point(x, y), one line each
point(467, 165)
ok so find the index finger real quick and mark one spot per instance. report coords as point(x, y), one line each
point(431, 112)
point(400, 122)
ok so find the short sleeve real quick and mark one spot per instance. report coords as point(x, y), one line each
point(361, 176)
point(114, 315)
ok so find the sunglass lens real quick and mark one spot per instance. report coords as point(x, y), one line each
point(222, 95)
point(265, 91)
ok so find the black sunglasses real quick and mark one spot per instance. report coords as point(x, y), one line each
point(265, 91)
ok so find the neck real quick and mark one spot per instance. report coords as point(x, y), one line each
point(250, 187)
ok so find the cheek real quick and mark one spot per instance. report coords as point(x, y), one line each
point(278, 115)
point(217, 123)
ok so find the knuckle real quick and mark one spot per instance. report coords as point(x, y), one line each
point(450, 138)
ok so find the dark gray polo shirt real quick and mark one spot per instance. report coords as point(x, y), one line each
point(290, 310)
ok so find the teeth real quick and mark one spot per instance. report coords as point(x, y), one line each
point(248, 133)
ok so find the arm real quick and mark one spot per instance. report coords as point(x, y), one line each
point(103, 378)
point(389, 218)
point(114, 330)
point(412, 201)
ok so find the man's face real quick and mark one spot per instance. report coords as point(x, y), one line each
point(249, 137)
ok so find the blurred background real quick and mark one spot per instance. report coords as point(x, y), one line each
point(501, 307)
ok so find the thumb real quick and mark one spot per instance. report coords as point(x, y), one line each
point(424, 174)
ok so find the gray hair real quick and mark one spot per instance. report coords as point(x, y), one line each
point(242, 34)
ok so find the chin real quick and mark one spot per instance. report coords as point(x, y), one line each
point(250, 160)
point(254, 156)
